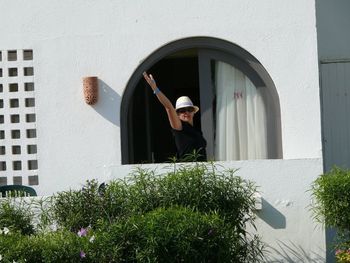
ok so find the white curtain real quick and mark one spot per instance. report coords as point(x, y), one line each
point(240, 116)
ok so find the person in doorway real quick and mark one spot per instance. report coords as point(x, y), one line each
point(188, 140)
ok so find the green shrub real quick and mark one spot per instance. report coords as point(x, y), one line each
point(16, 216)
point(75, 209)
point(331, 206)
point(201, 187)
point(60, 246)
point(204, 188)
point(164, 235)
point(174, 234)
point(194, 213)
point(331, 192)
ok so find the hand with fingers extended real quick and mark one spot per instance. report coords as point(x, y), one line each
point(150, 80)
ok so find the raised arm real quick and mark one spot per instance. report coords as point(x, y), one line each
point(174, 120)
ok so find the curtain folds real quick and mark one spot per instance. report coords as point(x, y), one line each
point(241, 131)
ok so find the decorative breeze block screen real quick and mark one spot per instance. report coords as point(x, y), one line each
point(18, 144)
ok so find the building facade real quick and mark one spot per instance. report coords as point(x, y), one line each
point(51, 139)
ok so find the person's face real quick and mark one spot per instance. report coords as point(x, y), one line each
point(186, 114)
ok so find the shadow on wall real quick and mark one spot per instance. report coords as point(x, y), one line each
point(108, 105)
point(271, 216)
point(293, 253)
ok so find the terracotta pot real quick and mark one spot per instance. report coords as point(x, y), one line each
point(90, 87)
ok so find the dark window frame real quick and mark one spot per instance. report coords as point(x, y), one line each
point(208, 48)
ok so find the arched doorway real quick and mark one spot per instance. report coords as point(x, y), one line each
point(193, 67)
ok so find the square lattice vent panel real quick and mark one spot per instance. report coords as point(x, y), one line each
point(18, 143)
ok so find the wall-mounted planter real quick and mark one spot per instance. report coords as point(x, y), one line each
point(90, 88)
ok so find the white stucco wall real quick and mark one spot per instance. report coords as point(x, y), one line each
point(109, 39)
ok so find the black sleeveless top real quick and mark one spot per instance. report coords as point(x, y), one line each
point(188, 140)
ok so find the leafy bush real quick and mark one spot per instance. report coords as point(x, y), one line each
point(174, 234)
point(76, 209)
point(332, 199)
point(61, 246)
point(201, 187)
point(16, 216)
point(204, 188)
point(331, 206)
point(192, 214)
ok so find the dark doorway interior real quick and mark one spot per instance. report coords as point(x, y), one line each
point(151, 140)
point(145, 132)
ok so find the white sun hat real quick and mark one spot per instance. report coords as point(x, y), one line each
point(184, 102)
